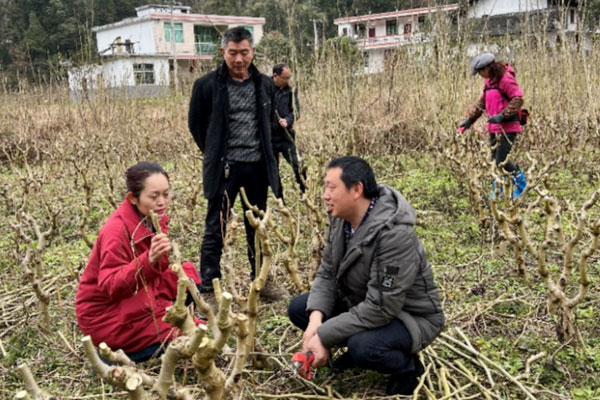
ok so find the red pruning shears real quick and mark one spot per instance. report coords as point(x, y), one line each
point(302, 362)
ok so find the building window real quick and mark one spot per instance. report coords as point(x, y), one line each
point(360, 30)
point(572, 15)
point(144, 74)
point(178, 28)
point(205, 39)
point(250, 29)
point(407, 28)
point(366, 58)
point(421, 23)
point(391, 27)
point(345, 32)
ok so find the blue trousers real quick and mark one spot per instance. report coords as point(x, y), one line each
point(386, 349)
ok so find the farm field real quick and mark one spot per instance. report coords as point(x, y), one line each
point(62, 175)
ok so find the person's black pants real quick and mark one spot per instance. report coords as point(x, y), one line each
point(288, 150)
point(251, 176)
point(505, 142)
point(386, 349)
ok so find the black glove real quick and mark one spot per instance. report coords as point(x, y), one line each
point(496, 119)
point(466, 123)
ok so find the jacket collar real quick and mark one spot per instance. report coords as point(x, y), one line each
point(134, 222)
point(223, 72)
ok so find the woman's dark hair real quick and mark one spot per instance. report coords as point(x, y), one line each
point(136, 175)
point(355, 170)
point(497, 69)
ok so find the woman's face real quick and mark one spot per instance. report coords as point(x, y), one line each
point(485, 72)
point(155, 196)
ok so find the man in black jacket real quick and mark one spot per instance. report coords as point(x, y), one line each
point(284, 136)
point(230, 120)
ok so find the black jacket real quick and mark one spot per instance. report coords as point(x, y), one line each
point(208, 123)
point(282, 101)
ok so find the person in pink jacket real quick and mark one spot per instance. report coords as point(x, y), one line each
point(127, 284)
point(501, 99)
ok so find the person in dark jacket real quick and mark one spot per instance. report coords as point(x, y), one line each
point(230, 120)
point(287, 108)
point(127, 284)
point(374, 291)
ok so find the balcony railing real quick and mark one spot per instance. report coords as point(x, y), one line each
point(391, 40)
point(205, 48)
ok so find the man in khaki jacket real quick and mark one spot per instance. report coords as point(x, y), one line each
point(374, 291)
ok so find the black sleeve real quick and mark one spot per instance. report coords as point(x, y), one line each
point(200, 111)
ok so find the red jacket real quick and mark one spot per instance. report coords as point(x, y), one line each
point(122, 298)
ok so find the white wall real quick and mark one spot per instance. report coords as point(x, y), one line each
point(498, 7)
point(119, 72)
point(376, 61)
point(84, 78)
point(140, 34)
point(116, 73)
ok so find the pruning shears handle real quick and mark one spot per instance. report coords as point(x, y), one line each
point(302, 362)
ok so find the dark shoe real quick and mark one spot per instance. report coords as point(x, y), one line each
point(405, 384)
point(343, 363)
point(206, 288)
point(274, 293)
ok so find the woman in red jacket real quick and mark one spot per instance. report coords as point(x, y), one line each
point(127, 284)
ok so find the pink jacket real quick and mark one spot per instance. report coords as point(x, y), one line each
point(122, 297)
point(495, 102)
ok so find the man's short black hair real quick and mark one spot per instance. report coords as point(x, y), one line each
point(355, 170)
point(279, 67)
point(236, 34)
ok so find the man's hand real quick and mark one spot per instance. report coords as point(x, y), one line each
point(315, 320)
point(283, 122)
point(159, 245)
point(496, 119)
point(312, 342)
point(320, 352)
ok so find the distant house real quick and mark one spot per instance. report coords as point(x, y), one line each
point(377, 35)
point(518, 16)
point(136, 53)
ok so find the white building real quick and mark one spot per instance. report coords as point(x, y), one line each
point(378, 34)
point(525, 17)
point(137, 53)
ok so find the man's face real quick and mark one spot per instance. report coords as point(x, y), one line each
point(282, 80)
point(340, 200)
point(238, 57)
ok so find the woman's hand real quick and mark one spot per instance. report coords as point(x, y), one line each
point(159, 245)
point(496, 119)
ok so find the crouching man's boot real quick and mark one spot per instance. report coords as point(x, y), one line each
point(519, 182)
point(405, 384)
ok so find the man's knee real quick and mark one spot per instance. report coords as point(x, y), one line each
point(360, 351)
point(297, 311)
